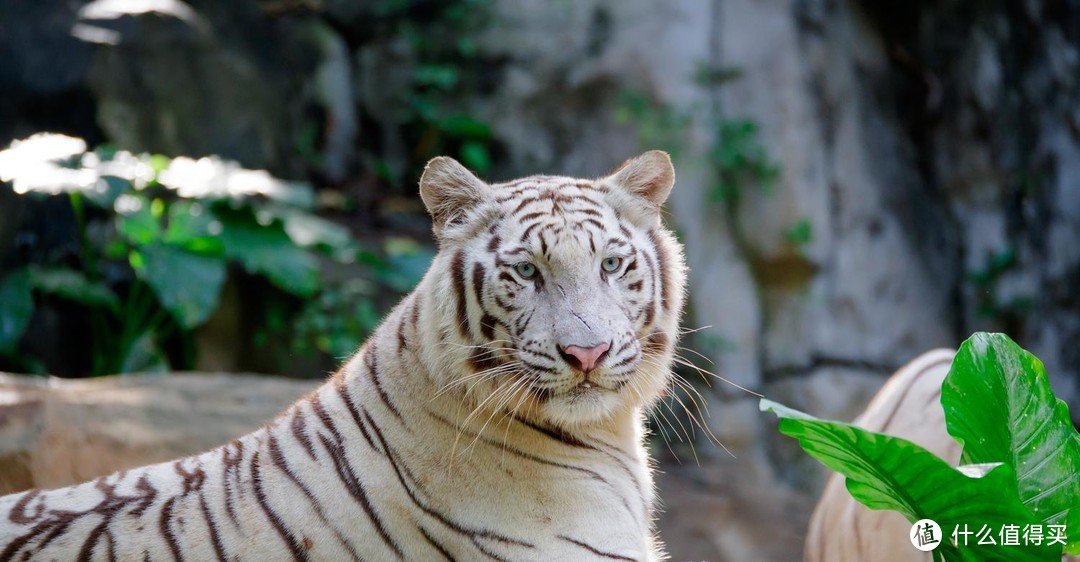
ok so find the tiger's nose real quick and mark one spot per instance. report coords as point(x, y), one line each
point(584, 359)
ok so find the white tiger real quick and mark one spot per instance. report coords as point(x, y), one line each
point(497, 412)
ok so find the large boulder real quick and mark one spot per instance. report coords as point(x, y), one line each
point(56, 432)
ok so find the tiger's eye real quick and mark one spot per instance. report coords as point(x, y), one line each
point(611, 265)
point(526, 270)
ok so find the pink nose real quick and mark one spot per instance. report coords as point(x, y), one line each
point(584, 359)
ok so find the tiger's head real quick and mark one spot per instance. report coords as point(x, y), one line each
point(559, 298)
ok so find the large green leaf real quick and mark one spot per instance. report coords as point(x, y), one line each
point(16, 307)
point(137, 222)
point(193, 227)
point(1000, 407)
point(464, 126)
point(186, 284)
point(268, 250)
point(73, 285)
point(407, 262)
point(884, 472)
point(309, 230)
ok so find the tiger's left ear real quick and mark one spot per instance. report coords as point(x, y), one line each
point(450, 192)
point(649, 179)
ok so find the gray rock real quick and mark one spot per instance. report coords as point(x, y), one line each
point(182, 81)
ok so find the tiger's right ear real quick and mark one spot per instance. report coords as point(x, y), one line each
point(449, 191)
point(647, 180)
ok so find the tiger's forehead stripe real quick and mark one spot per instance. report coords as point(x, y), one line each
point(546, 209)
point(560, 186)
point(664, 267)
point(457, 270)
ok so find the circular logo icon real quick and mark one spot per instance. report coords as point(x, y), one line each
point(925, 535)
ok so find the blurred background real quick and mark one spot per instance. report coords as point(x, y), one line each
point(231, 187)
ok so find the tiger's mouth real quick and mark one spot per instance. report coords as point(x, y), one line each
point(583, 387)
point(587, 388)
point(509, 367)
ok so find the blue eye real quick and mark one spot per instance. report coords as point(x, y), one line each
point(611, 265)
point(526, 270)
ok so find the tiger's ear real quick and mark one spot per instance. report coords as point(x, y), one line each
point(449, 191)
point(649, 179)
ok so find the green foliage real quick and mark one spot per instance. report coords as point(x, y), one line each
point(658, 125)
point(157, 239)
point(16, 307)
point(800, 233)
point(72, 285)
point(266, 250)
point(999, 405)
point(740, 160)
point(445, 66)
point(186, 283)
point(708, 76)
point(989, 303)
point(342, 314)
point(884, 472)
point(330, 322)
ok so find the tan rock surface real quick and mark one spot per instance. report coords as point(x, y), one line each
point(55, 432)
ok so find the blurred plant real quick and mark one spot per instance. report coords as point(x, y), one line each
point(343, 314)
point(657, 124)
point(986, 281)
point(800, 234)
point(156, 237)
point(446, 65)
point(737, 157)
point(740, 161)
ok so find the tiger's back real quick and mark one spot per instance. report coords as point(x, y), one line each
point(495, 414)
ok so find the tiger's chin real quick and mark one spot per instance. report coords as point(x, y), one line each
point(590, 403)
point(582, 405)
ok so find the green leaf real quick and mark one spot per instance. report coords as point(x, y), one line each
point(475, 156)
point(143, 356)
point(268, 250)
point(465, 127)
point(16, 307)
point(187, 284)
point(884, 472)
point(441, 76)
point(192, 227)
point(308, 230)
point(800, 233)
point(407, 262)
point(73, 285)
point(106, 191)
point(159, 162)
point(1000, 407)
point(708, 76)
point(138, 224)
